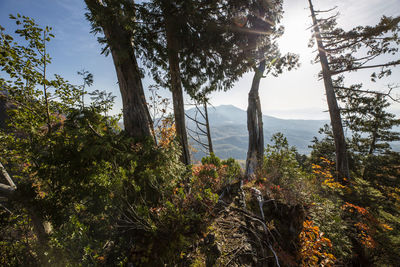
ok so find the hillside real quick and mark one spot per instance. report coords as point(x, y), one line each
point(230, 136)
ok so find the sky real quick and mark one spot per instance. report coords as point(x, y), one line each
point(297, 94)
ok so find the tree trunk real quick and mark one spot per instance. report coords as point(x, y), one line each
point(255, 151)
point(3, 110)
point(342, 166)
point(137, 120)
point(375, 129)
point(210, 146)
point(176, 88)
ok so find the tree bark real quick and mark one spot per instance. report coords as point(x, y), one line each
point(342, 166)
point(137, 120)
point(210, 146)
point(176, 87)
point(255, 152)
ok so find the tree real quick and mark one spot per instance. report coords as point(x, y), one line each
point(115, 19)
point(263, 18)
point(359, 49)
point(366, 116)
point(26, 88)
point(342, 166)
point(171, 32)
point(371, 125)
point(196, 46)
point(201, 121)
point(343, 51)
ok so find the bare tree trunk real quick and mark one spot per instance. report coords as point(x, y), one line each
point(137, 120)
point(6, 190)
point(176, 88)
point(210, 146)
point(9, 192)
point(202, 127)
point(342, 166)
point(255, 151)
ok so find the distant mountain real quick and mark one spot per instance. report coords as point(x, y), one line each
point(230, 136)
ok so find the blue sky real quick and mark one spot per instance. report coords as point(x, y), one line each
point(296, 94)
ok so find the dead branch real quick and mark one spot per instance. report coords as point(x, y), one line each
point(392, 63)
point(7, 176)
point(196, 121)
point(6, 190)
point(388, 94)
point(325, 11)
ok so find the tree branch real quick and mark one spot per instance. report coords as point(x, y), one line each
point(6, 190)
point(7, 176)
point(393, 63)
point(195, 120)
point(388, 94)
point(325, 11)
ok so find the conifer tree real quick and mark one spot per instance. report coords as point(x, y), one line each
point(366, 116)
point(342, 166)
point(116, 20)
point(341, 51)
point(200, 46)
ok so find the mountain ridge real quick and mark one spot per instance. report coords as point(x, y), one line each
point(230, 136)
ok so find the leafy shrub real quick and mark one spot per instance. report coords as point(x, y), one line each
point(281, 176)
point(314, 247)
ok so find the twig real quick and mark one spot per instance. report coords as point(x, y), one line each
point(234, 255)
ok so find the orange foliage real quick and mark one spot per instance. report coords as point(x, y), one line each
point(167, 133)
point(353, 208)
point(325, 174)
point(364, 235)
point(314, 246)
point(209, 176)
point(364, 231)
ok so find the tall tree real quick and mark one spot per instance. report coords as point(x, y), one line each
point(261, 27)
point(255, 150)
point(371, 125)
point(358, 49)
point(196, 46)
point(171, 31)
point(342, 165)
point(116, 19)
